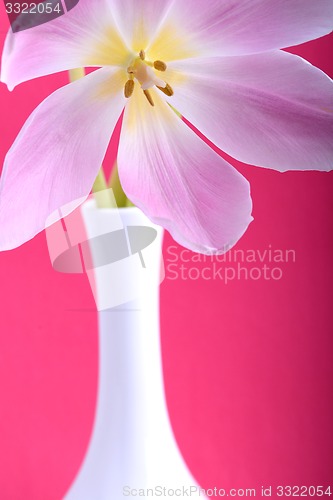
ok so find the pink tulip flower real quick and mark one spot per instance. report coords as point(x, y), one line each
point(217, 62)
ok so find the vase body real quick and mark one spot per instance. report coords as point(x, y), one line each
point(132, 446)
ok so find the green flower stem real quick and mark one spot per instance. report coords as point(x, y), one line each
point(76, 74)
point(115, 185)
point(101, 192)
point(129, 203)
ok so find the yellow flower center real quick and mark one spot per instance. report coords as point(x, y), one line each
point(144, 72)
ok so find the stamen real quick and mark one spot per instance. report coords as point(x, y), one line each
point(143, 71)
point(149, 97)
point(160, 65)
point(167, 90)
point(129, 88)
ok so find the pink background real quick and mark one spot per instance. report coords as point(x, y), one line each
point(248, 365)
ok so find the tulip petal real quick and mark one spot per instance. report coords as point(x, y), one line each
point(273, 110)
point(179, 181)
point(238, 27)
point(56, 157)
point(85, 36)
point(139, 20)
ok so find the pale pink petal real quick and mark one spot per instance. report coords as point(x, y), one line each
point(236, 27)
point(273, 110)
point(85, 36)
point(179, 181)
point(57, 154)
point(139, 20)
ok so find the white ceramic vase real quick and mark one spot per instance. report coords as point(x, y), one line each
point(132, 446)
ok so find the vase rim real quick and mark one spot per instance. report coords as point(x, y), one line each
point(91, 204)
